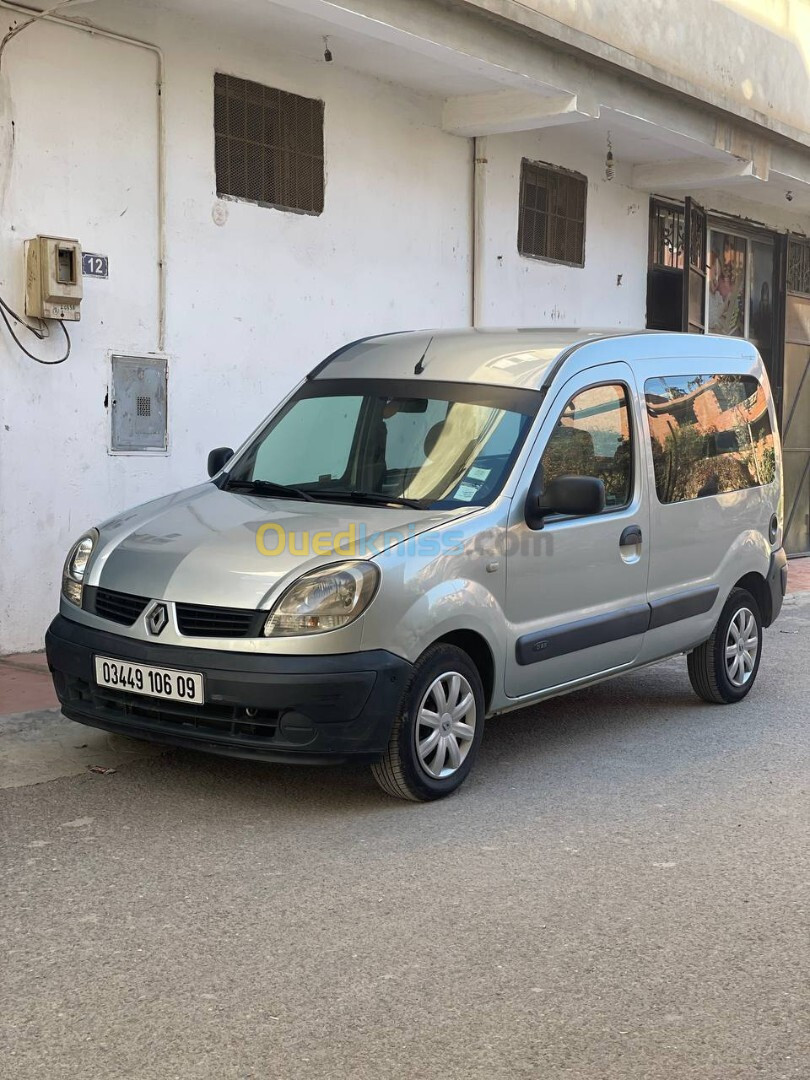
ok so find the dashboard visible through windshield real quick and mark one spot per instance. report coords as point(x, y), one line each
point(399, 442)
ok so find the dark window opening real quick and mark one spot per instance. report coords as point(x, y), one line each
point(269, 145)
point(552, 213)
point(665, 266)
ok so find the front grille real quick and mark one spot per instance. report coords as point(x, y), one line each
point(198, 620)
point(118, 607)
point(227, 722)
point(193, 620)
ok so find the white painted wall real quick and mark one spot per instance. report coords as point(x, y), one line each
point(252, 304)
point(79, 162)
point(521, 291)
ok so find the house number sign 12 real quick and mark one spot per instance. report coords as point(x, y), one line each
point(95, 265)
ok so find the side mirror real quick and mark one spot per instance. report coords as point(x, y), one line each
point(217, 458)
point(579, 496)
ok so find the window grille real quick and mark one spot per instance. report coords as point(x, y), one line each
point(552, 213)
point(269, 145)
point(798, 269)
point(666, 236)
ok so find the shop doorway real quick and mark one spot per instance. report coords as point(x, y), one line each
point(710, 274)
point(796, 398)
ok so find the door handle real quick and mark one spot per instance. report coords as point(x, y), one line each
point(631, 535)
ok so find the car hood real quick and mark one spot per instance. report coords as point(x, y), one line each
point(203, 545)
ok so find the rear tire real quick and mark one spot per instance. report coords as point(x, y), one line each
point(723, 669)
point(435, 737)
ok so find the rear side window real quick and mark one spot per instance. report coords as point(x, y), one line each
point(710, 434)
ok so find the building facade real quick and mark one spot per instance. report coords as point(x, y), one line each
point(255, 183)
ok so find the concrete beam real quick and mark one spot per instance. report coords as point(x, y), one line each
point(509, 110)
point(693, 173)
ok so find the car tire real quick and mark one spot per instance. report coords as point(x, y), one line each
point(723, 669)
point(435, 737)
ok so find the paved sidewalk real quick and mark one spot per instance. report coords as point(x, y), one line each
point(37, 743)
point(25, 684)
point(799, 575)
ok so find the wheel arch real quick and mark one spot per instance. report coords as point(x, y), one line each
point(479, 651)
point(756, 584)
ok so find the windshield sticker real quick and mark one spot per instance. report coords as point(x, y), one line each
point(478, 474)
point(466, 492)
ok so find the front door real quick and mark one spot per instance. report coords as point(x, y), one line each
point(577, 589)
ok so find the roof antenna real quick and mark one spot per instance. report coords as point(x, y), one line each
point(420, 367)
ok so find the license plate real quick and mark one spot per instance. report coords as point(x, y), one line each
point(166, 683)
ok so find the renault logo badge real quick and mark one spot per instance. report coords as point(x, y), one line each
point(157, 619)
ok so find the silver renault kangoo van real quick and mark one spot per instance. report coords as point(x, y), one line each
point(432, 529)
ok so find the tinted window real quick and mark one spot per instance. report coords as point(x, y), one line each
point(310, 441)
point(710, 434)
point(593, 438)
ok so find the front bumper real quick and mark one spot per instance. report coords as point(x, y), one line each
point(306, 709)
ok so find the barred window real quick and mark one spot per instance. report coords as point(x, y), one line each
point(798, 268)
point(666, 235)
point(269, 145)
point(552, 213)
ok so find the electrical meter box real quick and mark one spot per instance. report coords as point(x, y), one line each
point(53, 278)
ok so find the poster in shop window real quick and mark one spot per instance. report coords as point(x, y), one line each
point(727, 255)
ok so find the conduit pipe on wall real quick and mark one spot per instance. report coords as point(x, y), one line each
point(479, 198)
point(96, 31)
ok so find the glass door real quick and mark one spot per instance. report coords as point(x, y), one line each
point(740, 288)
point(741, 293)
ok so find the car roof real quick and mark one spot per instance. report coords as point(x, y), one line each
point(522, 357)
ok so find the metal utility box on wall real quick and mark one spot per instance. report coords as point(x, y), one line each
point(138, 404)
point(53, 278)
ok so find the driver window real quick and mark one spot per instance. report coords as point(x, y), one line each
point(593, 438)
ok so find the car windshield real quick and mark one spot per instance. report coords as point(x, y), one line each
point(427, 444)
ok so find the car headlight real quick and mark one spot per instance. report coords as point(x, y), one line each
point(324, 599)
point(75, 566)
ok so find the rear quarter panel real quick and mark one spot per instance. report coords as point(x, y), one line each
point(709, 541)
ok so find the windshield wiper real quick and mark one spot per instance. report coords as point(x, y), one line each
point(267, 487)
point(374, 497)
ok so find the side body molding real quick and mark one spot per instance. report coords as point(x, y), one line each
point(627, 622)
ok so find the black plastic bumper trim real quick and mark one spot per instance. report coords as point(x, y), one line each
point(339, 706)
point(777, 585)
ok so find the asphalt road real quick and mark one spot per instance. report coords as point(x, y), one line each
point(619, 891)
